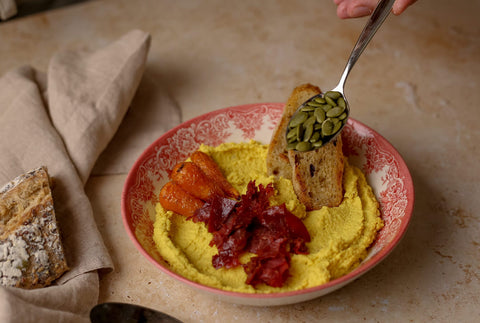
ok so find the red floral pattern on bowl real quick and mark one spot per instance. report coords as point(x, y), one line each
point(383, 166)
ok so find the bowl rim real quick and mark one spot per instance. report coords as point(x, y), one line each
point(341, 281)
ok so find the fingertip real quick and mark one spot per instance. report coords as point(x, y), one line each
point(401, 5)
point(342, 11)
point(397, 9)
point(359, 11)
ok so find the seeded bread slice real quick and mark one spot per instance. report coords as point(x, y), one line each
point(31, 252)
point(317, 175)
point(278, 163)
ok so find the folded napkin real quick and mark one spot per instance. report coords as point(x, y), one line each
point(64, 119)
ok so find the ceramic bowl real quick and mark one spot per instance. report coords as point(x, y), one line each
point(383, 166)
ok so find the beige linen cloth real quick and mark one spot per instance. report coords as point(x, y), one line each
point(64, 119)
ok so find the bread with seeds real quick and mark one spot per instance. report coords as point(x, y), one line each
point(317, 175)
point(278, 163)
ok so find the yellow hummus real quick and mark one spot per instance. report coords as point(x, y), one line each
point(340, 235)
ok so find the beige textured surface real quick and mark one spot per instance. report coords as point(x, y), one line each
point(417, 84)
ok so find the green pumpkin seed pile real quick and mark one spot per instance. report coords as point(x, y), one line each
point(317, 121)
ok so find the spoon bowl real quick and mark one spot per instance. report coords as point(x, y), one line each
point(126, 313)
point(322, 117)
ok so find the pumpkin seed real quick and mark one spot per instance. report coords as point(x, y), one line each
point(293, 139)
point(291, 146)
point(332, 95)
point(327, 127)
point(310, 121)
point(308, 132)
point(307, 108)
point(317, 126)
point(330, 101)
point(297, 119)
point(317, 144)
point(314, 104)
point(342, 116)
point(303, 146)
point(299, 131)
point(341, 102)
point(326, 107)
point(335, 112)
point(336, 127)
point(292, 133)
point(335, 120)
point(315, 137)
point(319, 100)
point(319, 115)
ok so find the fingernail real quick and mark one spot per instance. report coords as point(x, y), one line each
point(360, 12)
point(396, 11)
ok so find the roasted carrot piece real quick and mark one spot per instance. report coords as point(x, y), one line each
point(194, 181)
point(211, 169)
point(173, 198)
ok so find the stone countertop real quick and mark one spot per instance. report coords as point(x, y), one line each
point(416, 84)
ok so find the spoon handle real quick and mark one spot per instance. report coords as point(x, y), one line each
point(374, 22)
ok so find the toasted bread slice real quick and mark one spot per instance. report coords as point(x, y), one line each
point(278, 163)
point(317, 175)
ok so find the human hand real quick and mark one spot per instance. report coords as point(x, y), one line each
point(360, 8)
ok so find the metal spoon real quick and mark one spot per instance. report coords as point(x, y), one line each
point(123, 312)
point(304, 140)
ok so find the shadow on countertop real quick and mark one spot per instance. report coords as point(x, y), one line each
point(29, 7)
